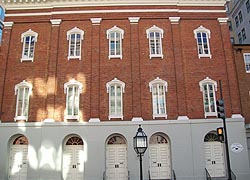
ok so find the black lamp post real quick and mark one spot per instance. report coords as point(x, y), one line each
point(140, 145)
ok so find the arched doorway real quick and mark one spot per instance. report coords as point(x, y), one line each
point(159, 157)
point(116, 158)
point(214, 155)
point(18, 162)
point(73, 158)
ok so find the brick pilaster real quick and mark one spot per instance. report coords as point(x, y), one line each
point(5, 48)
point(135, 67)
point(95, 69)
point(179, 68)
point(52, 68)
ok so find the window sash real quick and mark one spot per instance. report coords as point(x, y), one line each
point(22, 104)
point(209, 98)
point(240, 37)
point(203, 43)
point(155, 43)
point(159, 99)
point(28, 47)
point(75, 45)
point(247, 62)
point(240, 17)
point(236, 21)
point(73, 97)
point(248, 6)
point(115, 99)
point(115, 45)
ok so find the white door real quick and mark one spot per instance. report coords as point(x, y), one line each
point(18, 162)
point(116, 162)
point(73, 162)
point(159, 155)
point(214, 157)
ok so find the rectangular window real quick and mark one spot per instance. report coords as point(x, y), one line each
point(159, 103)
point(247, 62)
point(230, 26)
point(240, 17)
point(202, 41)
point(209, 98)
point(22, 104)
point(28, 48)
point(240, 37)
point(155, 44)
point(236, 21)
point(75, 45)
point(243, 34)
point(115, 98)
point(115, 44)
point(248, 6)
point(72, 102)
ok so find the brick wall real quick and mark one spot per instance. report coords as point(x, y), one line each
point(180, 65)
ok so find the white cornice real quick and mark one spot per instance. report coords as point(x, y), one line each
point(37, 4)
point(115, 11)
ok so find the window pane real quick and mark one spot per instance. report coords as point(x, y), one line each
point(161, 100)
point(247, 62)
point(70, 101)
point(23, 101)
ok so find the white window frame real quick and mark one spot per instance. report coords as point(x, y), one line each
point(29, 34)
point(207, 81)
point(158, 82)
point(201, 30)
point(115, 82)
point(75, 85)
point(247, 64)
point(115, 30)
point(76, 31)
point(26, 87)
point(154, 29)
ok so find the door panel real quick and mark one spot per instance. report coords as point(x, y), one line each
point(18, 162)
point(214, 157)
point(116, 162)
point(73, 162)
point(160, 167)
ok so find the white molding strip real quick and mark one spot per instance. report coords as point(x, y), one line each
point(114, 11)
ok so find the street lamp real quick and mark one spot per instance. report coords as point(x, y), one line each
point(140, 145)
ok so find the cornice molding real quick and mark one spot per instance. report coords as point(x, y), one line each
point(37, 4)
point(114, 11)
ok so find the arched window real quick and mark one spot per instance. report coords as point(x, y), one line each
point(72, 89)
point(202, 36)
point(23, 91)
point(208, 88)
point(75, 37)
point(158, 88)
point(115, 36)
point(155, 35)
point(28, 38)
point(115, 88)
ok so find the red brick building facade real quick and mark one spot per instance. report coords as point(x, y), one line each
point(180, 65)
point(82, 75)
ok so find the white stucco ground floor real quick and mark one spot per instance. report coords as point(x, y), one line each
point(104, 150)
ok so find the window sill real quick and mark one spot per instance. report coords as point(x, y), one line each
point(74, 57)
point(156, 56)
point(205, 56)
point(115, 117)
point(160, 116)
point(115, 57)
point(213, 114)
point(21, 118)
point(27, 59)
point(71, 118)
